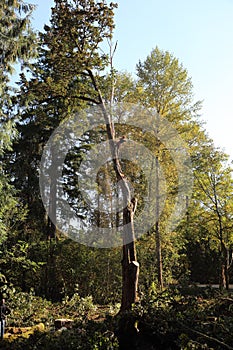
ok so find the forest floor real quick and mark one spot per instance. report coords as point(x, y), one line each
point(196, 317)
point(97, 315)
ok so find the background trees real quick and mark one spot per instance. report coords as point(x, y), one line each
point(164, 85)
point(214, 195)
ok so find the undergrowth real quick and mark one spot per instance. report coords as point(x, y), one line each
point(185, 319)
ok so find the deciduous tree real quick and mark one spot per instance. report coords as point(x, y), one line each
point(164, 84)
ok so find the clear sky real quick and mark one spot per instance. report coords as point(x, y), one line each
point(199, 33)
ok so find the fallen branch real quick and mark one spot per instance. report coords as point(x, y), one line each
point(207, 337)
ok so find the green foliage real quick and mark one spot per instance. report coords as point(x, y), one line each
point(7, 207)
point(17, 44)
point(78, 307)
point(17, 38)
point(28, 309)
point(166, 86)
point(189, 318)
point(91, 336)
point(62, 81)
point(184, 318)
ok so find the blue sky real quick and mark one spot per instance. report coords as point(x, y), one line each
point(199, 33)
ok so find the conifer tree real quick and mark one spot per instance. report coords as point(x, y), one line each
point(68, 75)
point(17, 45)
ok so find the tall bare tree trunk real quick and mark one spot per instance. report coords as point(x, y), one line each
point(130, 266)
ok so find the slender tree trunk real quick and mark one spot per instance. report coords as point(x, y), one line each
point(98, 198)
point(229, 265)
point(157, 231)
point(51, 228)
point(223, 263)
point(222, 282)
point(227, 268)
point(51, 224)
point(159, 256)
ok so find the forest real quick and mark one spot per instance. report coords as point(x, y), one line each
point(116, 207)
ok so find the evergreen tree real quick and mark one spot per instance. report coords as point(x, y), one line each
point(68, 74)
point(17, 44)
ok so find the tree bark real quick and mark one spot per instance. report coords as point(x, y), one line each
point(130, 266)
point(224, 278)
point(159, 256)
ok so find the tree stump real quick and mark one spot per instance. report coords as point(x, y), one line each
point(63, 322)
